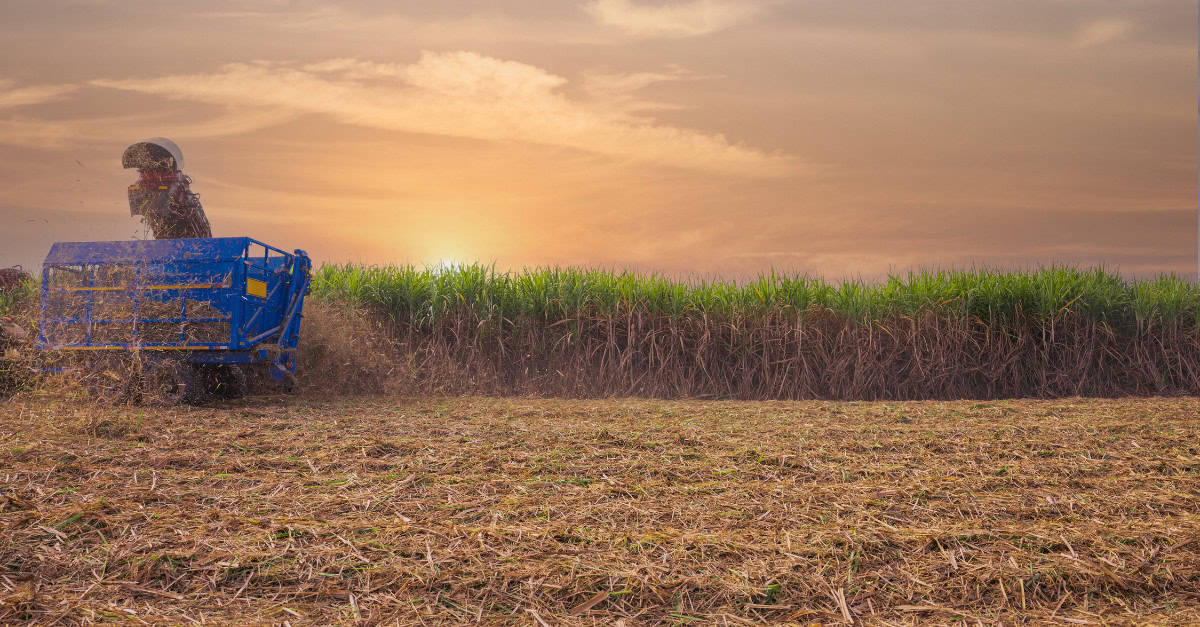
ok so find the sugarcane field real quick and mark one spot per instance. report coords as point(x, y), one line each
point(599, 312)
point(417, 475)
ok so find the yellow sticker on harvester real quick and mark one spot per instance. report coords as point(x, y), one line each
point(254, 287)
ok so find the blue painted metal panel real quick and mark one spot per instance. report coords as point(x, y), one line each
point(94, 295)
point(213, 249)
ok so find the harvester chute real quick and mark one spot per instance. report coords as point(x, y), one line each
point(162, 195)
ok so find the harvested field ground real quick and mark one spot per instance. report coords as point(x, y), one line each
point(531, 511)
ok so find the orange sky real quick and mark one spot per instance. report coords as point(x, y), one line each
point(692, 137)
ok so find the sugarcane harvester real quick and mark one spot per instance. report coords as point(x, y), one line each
point(178, 318)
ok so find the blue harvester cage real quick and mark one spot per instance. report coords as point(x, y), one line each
point(228, 301)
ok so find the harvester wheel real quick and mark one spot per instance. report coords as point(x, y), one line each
point(226, 381)
point(171, 382)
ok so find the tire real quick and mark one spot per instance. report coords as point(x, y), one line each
point(171, 382)
point(226, 381)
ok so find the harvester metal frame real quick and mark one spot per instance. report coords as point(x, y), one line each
point(262, 296)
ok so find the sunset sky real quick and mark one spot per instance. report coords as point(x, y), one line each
point(691, 137)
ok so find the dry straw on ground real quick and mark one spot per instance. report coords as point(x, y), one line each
point(19, 364)
point(583, 512)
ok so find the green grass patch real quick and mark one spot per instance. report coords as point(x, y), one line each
point(422, 297)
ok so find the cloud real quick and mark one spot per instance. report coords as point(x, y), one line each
point(11, 96)
point(1102, 31)
point(28, 132)
point(620, 89)
point(680, 19)
point(464, 94)
point(483, 26)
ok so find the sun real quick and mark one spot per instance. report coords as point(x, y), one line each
point(445, 265)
